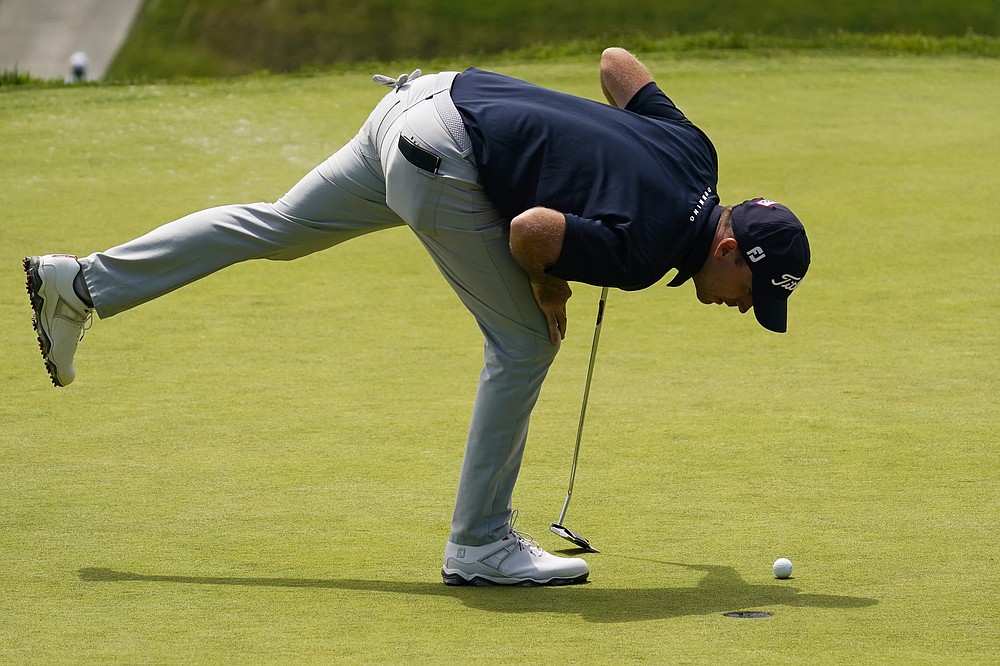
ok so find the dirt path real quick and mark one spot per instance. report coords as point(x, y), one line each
point(38, 36)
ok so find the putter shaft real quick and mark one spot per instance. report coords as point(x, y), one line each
point(583, 414)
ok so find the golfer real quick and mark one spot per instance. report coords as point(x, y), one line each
point(514, 190)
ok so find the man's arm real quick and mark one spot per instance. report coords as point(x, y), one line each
point(536, 235)
point(622, 76)
point(536, 239)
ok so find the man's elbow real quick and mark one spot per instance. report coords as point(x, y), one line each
point(536, 237)
point(612, 54)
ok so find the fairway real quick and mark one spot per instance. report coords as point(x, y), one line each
point(261, 466)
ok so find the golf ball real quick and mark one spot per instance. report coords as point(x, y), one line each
point(782, 567)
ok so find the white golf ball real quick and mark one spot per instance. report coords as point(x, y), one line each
point(782, 567)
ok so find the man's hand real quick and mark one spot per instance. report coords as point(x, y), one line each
point(536, 238)
point(622, 76)
point(551, 294)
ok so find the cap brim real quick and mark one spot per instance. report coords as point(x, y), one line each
point(771, 311)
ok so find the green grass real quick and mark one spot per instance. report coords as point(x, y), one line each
point(13, 77)
point(260, 467)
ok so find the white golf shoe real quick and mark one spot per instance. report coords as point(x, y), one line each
point(60, 315)
point(513, 560)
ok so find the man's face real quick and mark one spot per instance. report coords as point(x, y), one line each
point(728, 282)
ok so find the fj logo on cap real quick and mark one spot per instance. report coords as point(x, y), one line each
point(789, 282)
point(755, 254)
point(766, 202)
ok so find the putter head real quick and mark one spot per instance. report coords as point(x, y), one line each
point(570, 535)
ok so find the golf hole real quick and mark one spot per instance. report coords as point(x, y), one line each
point(743, 615)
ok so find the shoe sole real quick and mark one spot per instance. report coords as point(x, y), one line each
point(479, 581)
point(33, 283)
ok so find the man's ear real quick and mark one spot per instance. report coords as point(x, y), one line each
point(726, 248)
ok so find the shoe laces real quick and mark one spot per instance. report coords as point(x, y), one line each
point(88, 323)
point(524, 540)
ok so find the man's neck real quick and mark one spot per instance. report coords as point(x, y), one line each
point(723, 230)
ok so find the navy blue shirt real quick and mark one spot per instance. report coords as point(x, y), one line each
point(637, 185)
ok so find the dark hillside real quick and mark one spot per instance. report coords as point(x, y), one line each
point(224, 37)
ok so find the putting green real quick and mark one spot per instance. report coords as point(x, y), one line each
point(260, 467)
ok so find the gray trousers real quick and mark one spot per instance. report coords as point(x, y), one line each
point(366, 186)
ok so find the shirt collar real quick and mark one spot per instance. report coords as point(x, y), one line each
point(706, 224)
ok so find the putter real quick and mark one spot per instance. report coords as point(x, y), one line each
point(558, 527)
